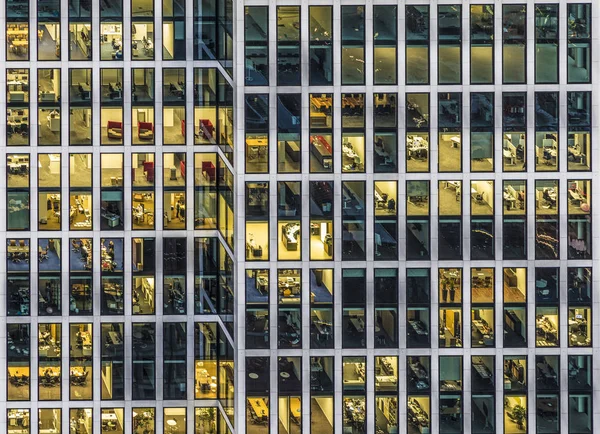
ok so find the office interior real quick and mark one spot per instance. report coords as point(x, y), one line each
point(49, 211)
point(289, 286)
point(205, 200)
point(449, 152)
point(579, 323)
point(144, 419)
point(80, 420)
point(17, 170)
point(49, 254)
point(450, 284)
point(142, 209)
point(385, 148)
point(386, 410)
point(288, 152)
point(142, 85)
point(142, 40)
point(321, 153)
point(18, 210)
point(322, 415)
point(451, 371)
point(48, 37)
point(418, 414)
point(18, 385)
point(174, 420)
point(174, 125)
point(321, 239)
point(417, 198)
point(578, 151)
point(450, 327)
point(386, 374)
point(546, 151)
point(353, 373)
point(482, 198)
point(205, 123)
point(353, 152)
point(515, 373)
point(546, 326)
point(289, 325)
point(80, 211)
point(17, 85)
point(482, 151)
point(321, 113)
point(449, 198)
point(49, 126)
point(111, 41)
point(142, 125)
point(385, 197)
point(142, 167)
point(354, 416)
point(482, 368)
point(80, 366)
point(173, 84)
point(257, 153)
point(49, 370)
point(80, 41)
point(18, 420)
point(50, 420)
point(111, 126)
point(111, 85)
point(482, 327)
point(482, 285)
point(418, 319)
point(546, 195)
point(80, 81)
point(80, 170)
point(80, 126)
point(418, 372)
point(257, 415)
point(515, 285)
point(514, 422)
point(514, 195)
point(17, 41)
point(49, 170)
point(321, 324)
point(290, 414)
point(174, 210)
point(579, 197)
point(174, 169)
point(17, 126)
point(515, 330)
point(289, 245)
point(113, 420)
point(514, 151)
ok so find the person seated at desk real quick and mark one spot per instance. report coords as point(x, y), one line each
point(548, 196)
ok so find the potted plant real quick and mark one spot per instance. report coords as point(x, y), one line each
point(519, 414)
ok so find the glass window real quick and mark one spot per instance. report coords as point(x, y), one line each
point(320, 45)
point(417, 44)
point(514, 43)
point(288, 45)
point(579, 52)
point(546, 43)
point(353, 45)
point(385, 30)
point(256, 38)
point(450, 132)
point(449, 44)
point(482, 44)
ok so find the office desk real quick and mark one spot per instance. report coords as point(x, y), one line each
point(259, 407)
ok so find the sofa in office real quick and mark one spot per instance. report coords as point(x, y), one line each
point(114, 130)
point(145, 131)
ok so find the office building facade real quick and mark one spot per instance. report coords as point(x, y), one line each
point(300, 216)
point(417, 217)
